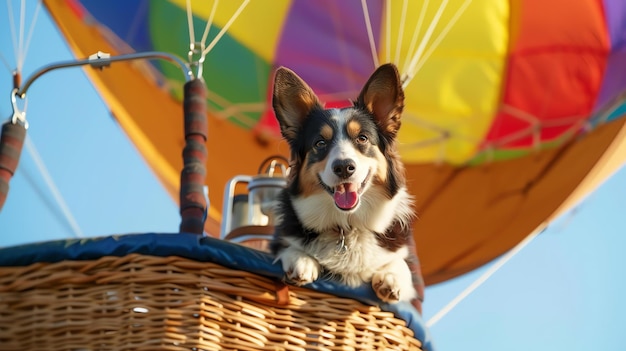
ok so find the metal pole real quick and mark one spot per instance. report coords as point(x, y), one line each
point(102, 59)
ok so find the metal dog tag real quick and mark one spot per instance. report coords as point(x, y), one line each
point(341, 243)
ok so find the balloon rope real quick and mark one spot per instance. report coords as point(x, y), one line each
point(231, 109)
point(400, 32)
point(478, 282)
point(425, 40)
point(238, 110)
point(30, 147)
point(21, 35)
point(416, 31)
point(5, 62)
point(418, 60)
point(19, 47)
point(388, 31)
point(12, 28)
point(31, 29)
point(370, 33)
point(226, 27)
point(209, 22)
point(192, 34)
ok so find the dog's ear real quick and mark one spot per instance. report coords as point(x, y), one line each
point(383, 96)
point(292, 100)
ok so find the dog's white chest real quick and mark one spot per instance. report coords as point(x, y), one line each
point(353, 255)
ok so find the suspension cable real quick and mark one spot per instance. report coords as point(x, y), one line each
point(209, 22)
point(12, 29)
point(21, 34)
point(417, 65)
point(370, 33)
point(387, 30)
point(43, 170)
point(480, 280)
point(226, 27)
point(396, 59)
point(416, 32)
point(429, 32)
point(29, 36)
point(192, 36)
point(5, 62)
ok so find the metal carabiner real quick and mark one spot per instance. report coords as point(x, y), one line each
point(196, 57)
point(18, 115)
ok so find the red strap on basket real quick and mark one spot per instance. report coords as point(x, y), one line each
point(282, 293)
point(11, 142)
point(193, 205)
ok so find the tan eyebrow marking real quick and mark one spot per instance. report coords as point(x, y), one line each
point(353, 128)
point(326, 132)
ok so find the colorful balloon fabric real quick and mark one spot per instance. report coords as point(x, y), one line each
point(497, 91)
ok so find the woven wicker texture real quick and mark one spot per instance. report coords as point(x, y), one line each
point(140, 302)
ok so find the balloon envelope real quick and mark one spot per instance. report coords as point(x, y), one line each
point(513, 108)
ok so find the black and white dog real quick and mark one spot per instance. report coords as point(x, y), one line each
point(346, 211)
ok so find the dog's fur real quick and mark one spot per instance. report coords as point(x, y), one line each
point(346, 186)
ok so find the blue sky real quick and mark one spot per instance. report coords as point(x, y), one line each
point(562, 292)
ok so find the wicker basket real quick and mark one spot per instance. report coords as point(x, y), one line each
point(147, 302)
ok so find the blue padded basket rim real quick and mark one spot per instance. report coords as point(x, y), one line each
point(202, 249)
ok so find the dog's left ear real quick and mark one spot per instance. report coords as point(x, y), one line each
point(383, 96)
point(292, 100)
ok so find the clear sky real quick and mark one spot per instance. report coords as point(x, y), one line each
point(562, 292)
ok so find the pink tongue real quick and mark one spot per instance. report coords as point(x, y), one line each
point(346, 196)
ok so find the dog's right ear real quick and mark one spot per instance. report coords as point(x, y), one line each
point(383, 96)
point(292, 100)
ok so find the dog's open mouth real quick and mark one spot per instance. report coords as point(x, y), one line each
point(346, 195)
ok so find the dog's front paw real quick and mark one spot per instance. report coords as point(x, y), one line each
point(300, 268)
point(386, 286)
point(393, 285)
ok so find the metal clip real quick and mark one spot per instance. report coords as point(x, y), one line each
point(196, 57)
point(18, 115)
point(100, 60)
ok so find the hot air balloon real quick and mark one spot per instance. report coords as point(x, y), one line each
point(513, 108)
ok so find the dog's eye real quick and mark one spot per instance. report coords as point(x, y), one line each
point(362, 139)
point(320, 144)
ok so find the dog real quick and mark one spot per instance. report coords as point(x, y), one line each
point(346, 211)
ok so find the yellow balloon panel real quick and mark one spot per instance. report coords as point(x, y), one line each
point(257, 27)
point(447, 118)
point(454, 81)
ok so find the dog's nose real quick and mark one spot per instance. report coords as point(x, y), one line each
point(344, 168)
